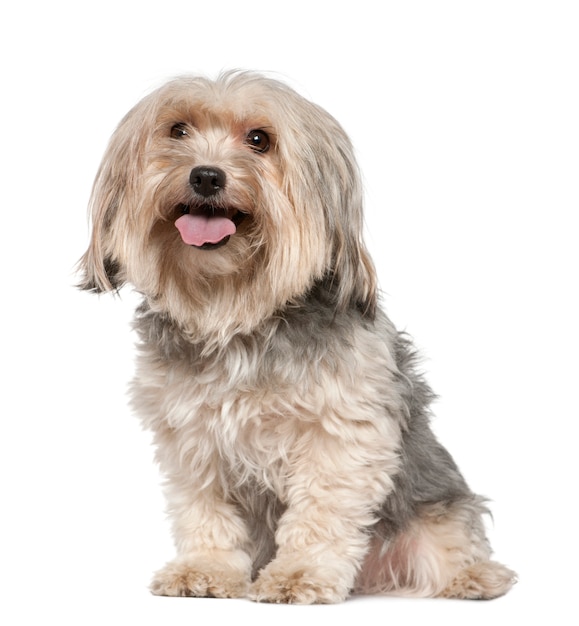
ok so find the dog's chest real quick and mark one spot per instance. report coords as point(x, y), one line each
point(219, 409)
point(247, 409)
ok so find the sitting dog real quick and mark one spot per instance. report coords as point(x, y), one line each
point(289, 418)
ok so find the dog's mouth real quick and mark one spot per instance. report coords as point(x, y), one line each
point(207, 227)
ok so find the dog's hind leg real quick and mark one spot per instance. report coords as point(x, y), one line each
point(443, 552)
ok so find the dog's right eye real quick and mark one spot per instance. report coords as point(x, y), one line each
point(178, 131)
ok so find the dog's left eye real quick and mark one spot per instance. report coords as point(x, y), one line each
point(178, 131)
point(258, 140)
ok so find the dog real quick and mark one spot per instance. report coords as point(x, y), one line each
point(290, 418)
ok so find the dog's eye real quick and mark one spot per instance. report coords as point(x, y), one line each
point(178, 131)
point(258, 140)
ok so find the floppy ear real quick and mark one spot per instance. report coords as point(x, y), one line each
point(115, 188)
point(99, 269)
point(353, 271)
point(99, 274)
point(352, 274)
point(355, 275)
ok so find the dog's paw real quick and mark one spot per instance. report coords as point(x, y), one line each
point(481, 581)
point(201, 580)
point(300, 586)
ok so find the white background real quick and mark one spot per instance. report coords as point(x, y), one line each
point(465, 119)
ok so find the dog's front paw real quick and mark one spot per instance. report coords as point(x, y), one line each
point(303, 585)
point(201, 579)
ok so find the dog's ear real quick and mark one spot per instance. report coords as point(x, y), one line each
point(111, 205)
point(99, 269)
point(323, 182)
point(99, 274)
point(352, 272)
point(354, 275)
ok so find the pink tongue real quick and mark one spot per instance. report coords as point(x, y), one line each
point(199, 229)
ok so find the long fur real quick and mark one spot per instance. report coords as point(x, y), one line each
point(289, 418)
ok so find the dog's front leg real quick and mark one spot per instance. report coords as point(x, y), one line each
point(209, 536)
point(335, 484)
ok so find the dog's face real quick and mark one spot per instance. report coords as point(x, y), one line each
point(228, 199)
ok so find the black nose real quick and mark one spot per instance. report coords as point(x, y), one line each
point(207, 181)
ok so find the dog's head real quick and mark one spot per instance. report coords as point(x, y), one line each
point(228, 199)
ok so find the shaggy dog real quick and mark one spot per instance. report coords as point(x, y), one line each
point(289, 419)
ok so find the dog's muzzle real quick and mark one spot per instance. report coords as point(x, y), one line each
point(206, 225)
